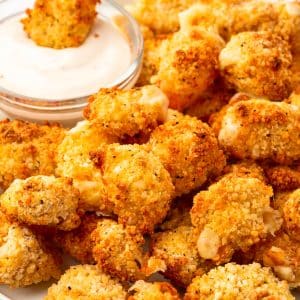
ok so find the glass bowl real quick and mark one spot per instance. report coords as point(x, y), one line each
point(69, 111)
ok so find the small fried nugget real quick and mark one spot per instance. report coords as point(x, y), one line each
point(177, 248)
point(189, 151)
point(258, 63)
point(139, 189)
point(282, 254)
point(189, 65)
point(74, 162)
point(261, 130)
point(238, 282)
point(60, 24)
point(42, 200)
point(142, 290)
point(128, 113)
point(118, 250)
point(84, 282)
point(78, 242)
point(283, 178)
point(27, 149)
point(233, 214)
point(25, 258)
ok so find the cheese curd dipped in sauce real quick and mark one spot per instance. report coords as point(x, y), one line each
point(55, 74)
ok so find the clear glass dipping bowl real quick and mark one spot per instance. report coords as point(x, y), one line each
point(69, 111)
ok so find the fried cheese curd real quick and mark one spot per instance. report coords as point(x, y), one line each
point(238, 282)
point(42, 200)
point(59, 23)
point(177, 248)
point(118, 250)
point(258, 63)
point(261, 130)
point(27, 149)
point(74, 162)
point(128, 113)
point(78, 242)
point(84, 282)
point(281, 253)
point(139, 188)
point(142, 290)
point(25, 258)
point(189, 65)
point(189, 151)
point(233, 214)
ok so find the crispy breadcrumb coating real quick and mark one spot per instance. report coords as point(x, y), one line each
point(178, 249)
point(78, 242)
point(262, 130)
point(188, 66)
point(238, 282)
point(42, 200)
point(143, 290)
point(60, 24)
point(258, 63)
point(231, 215)
point(24, 257)
point(139, 188)
point(189, 151)
point(282, 254)
point(27, 149)
point(84, 282)
point(74, 162)
point(118, 250)
point(128, 113)
point(283, 178)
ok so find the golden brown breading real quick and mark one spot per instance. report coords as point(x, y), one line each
point(177, 248)
point(261, 130)
point(238, 282)
point(128, 113)
point(231, 215)
point(189, 151)
point(139, 188)
point(152, 13)
point(258, 63)
point(282, 254)
point(27, 149)
point(188, 66)
point(74, 162)
point(24, 257)
point(78, 242)
point(118, 250)
point(42, 200)
point(60, 24)
point(143, 290)
point(86, 282)
point(283, 178)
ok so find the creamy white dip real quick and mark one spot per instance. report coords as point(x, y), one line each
point(46, 73)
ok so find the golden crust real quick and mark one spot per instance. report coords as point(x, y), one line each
point(128, 113)
point(60, 24)
point(142, 290)
point(86, 282)
point(258, 63)
point(42, 200)
point(232, 215)
point(78, 242)
point(24, 257)
point(238, 282)
point(189, 151)
point(139, 189)
point(118, 250)
point(261, 130)
point(189, 65)
point(27, 149)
